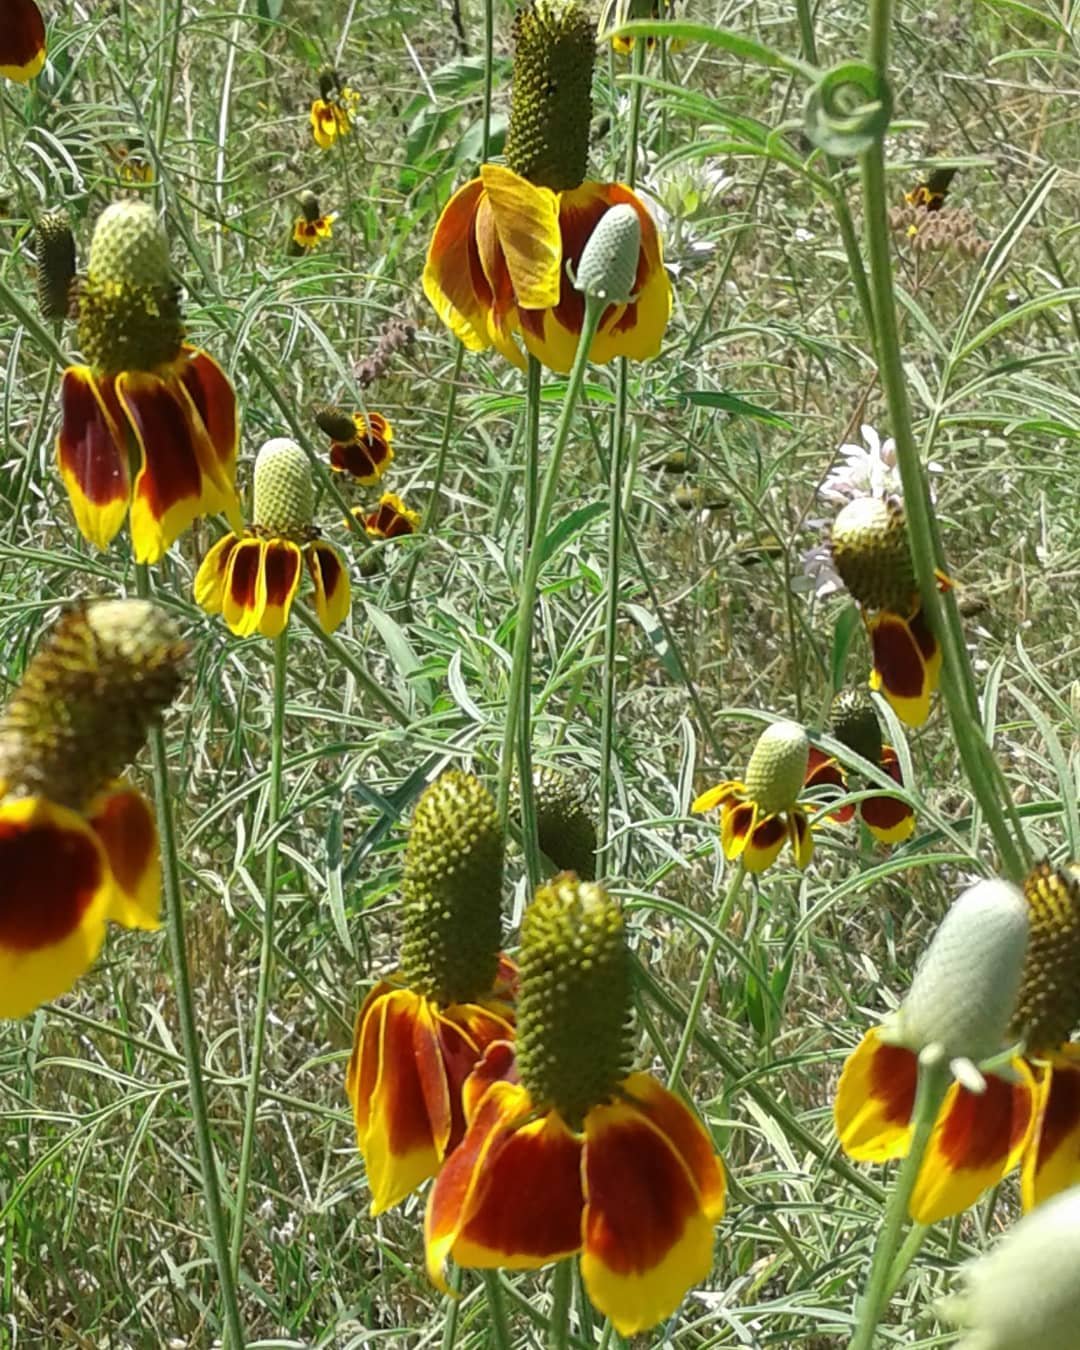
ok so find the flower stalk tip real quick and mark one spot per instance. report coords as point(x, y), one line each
point(609, 261)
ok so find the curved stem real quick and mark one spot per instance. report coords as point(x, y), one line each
point(185, 1010)
point(266, 950)
point(562, 1283)
point(500, 1327)
point(933, 1083)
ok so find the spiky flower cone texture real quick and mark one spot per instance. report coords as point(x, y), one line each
point(566, 831)
point(1048, 1005)
point(336, 423)
point(777, 768)
point(129, 311)
point(855, 724)
point(547, 140)
point(452, 891)
point(284, 496)
point(54, 248)
point(87, 700)
point(609, 260)
point(964, 989)
point(870, 551)
point(574, 1035)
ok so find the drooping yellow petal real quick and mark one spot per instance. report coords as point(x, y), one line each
point(526, 220)
point(874, 1100)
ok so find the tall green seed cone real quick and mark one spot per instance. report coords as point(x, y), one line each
point(870, 551)
point(129, 309)
point(566, 831)
point(1048, 1005)
point(284, 496)
point(574, 1035)
point(87, 700)
point(54, 248)
point(452, 891)
point(547, 140)
point(777, 768)
point(855, 724)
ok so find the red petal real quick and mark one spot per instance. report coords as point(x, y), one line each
point(92, 454)
point(123, 820)
point(215, 402)
point(52, 875)
point(22, 41)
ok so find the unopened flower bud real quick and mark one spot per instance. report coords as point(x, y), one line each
point(609, 259)
point(964, 990)
point(777, 768)
point(855, 724)
point(1024, 1293)
point(54, 247)
point(284, 489)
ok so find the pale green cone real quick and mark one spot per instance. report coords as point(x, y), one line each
point(284, 502)
point(609, 260)
point(777, 768)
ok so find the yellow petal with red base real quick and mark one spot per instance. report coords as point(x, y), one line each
point(214, 401)
point(454, 280)
point(977, 1140)
point(823, 770)
point(510, 1194)
point(389, 1082)
point(123, 820)
point(801, 837)
point(91, 454)
point(646, 1236)
point(689, 1137)
point(366, 458)
point(888, 819)
point(328, 121)
point(717, 796)
point(526, 220)
point(737, 822)
point(57, 893)
point(333, 595)
point(874, 1100)
point(244, 598)
point(907, 664)
point(281, 578)
point(22, 41)
point(209, 588)
point(1052, 1158)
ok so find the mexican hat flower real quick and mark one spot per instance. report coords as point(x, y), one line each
point(419, 1033)
point(957, 1011)
point(855, 724)
point(22, 41)
point(359, 446)
point(496, 268)
point(333, 111)
point(311, 226)
point(565, 828)
point(251, 577)
point(1024, 1292)
point(144, 385)
point(391, 519)
point(870, 551)
point(758, 815)
point(566, 1150)
point(78, 845)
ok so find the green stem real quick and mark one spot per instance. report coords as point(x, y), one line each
point(500, 1327)
point(529, 582)
point(341, 653)
point(562, 1284)
point(431, 506)
point(529, 837)
point(611, 606)
point(908, 1252)
point(185, 1009)
point(933, 1084)
point(266, 950)
point(169, 39)
point(698, 1000)
point(489, 72)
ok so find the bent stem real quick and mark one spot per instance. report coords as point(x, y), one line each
point(519, 686)
point(932, 1086)
point(185, 1010)
point(698, 1000)
point(266, 950)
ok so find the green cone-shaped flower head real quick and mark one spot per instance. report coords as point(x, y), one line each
point(1048, 1005)
point(129, 314)
point(870, 551)
point(284, 502)
point(566, 830)
point(1024, 1293)
point(777, 768)
point(309, 205)
point(452, 891)
point(87, 700)
point(964, 990)
point(609, 260)
point(54, 248)
point(855, 724)
point(336, 423)
point(574, 1045)
point(547, 141)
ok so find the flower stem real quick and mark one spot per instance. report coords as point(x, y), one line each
point(266, 950)
point(562, 1283)
point(698, 1000)
point(500, 1327)
point(932, 1086)
point(519, 689)
point(529, 837)
point(957, 680)
point(185, 1009)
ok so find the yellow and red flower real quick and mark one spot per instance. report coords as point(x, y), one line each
point(360, 446)
point(391, 520)
point(888, 819)
point(307, 233)
point(410, 1059)
point(329, 120)
point(566, 1152)
point(22, 41)
point(758, 816)
point(907, 663)
point(142, 385)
